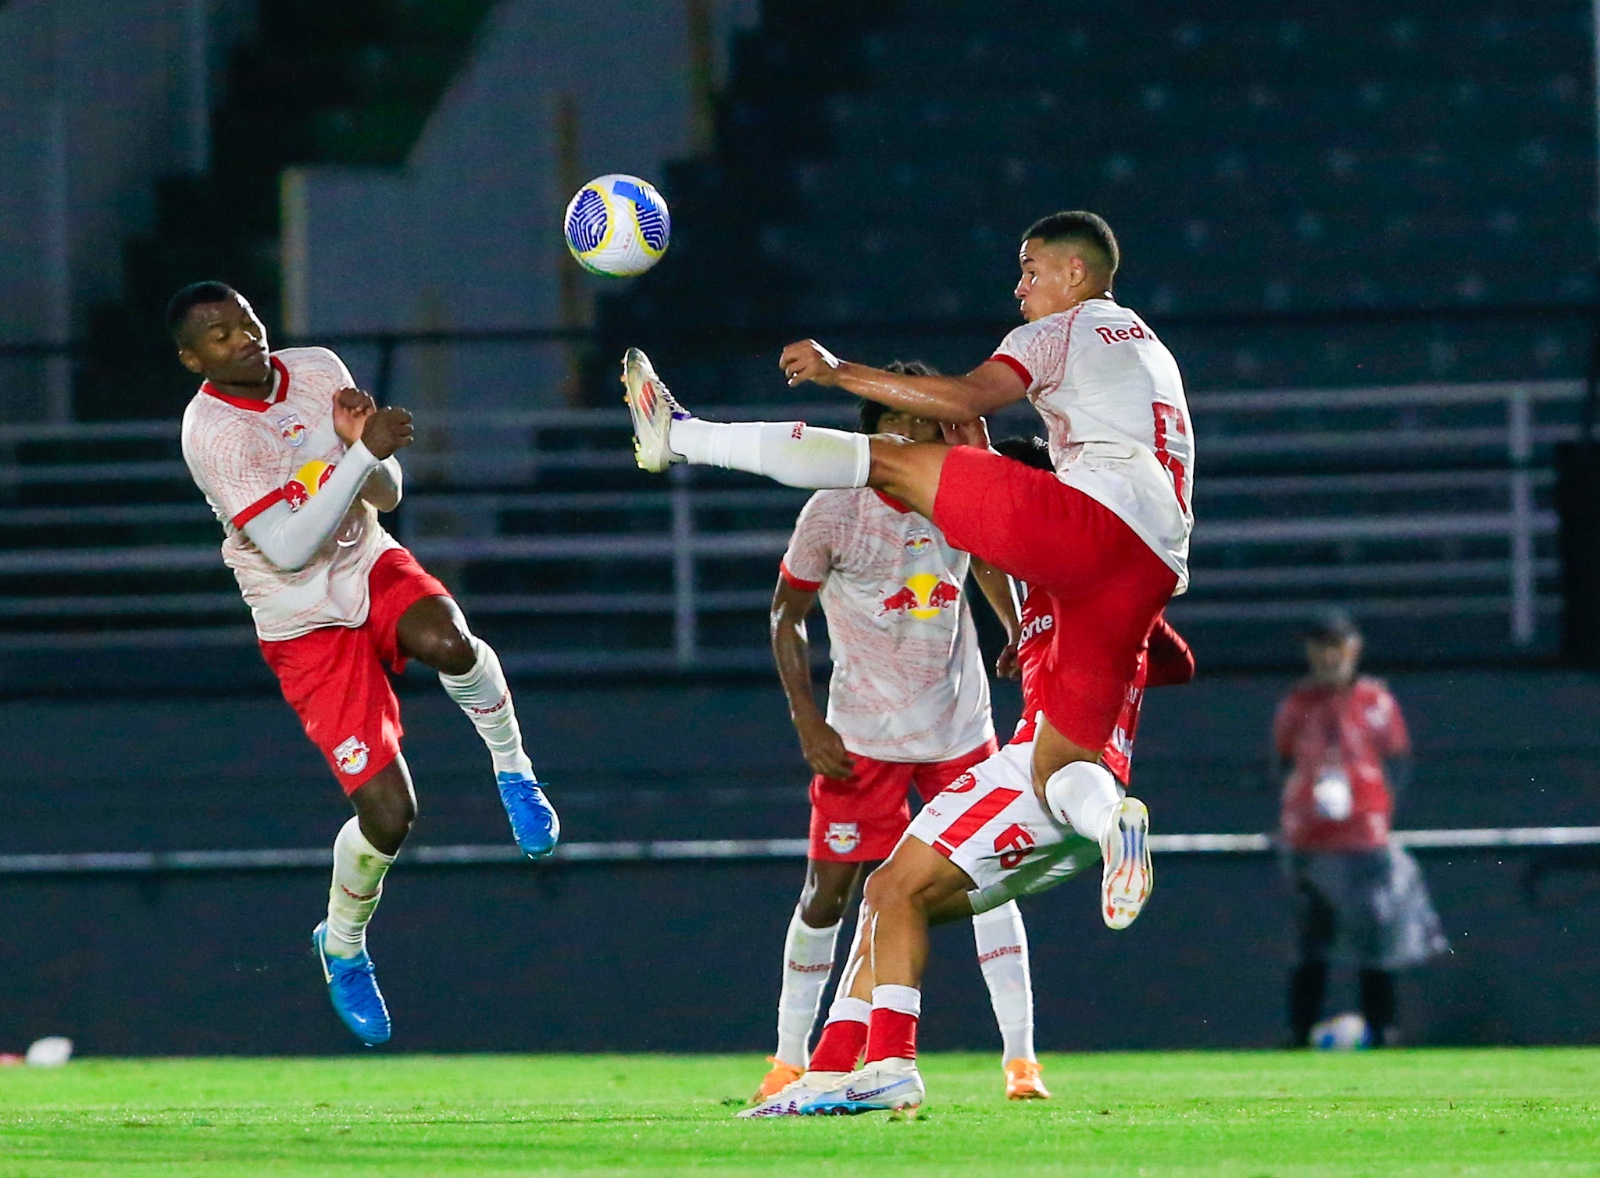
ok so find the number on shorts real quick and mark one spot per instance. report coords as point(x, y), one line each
point(1014, 843)
point(1168, 422)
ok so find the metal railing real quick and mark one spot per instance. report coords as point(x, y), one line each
point(1481, 547)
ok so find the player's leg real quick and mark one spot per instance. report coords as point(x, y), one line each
point(1315, 927)
point(433, 630)
point(788, 452)
point(808, 951)
point(1002, 943)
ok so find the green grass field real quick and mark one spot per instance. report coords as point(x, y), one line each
point(1503, 1112)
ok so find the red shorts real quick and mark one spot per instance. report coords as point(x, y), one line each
point(1108, 585)
point(860, 818)
point(336, 678)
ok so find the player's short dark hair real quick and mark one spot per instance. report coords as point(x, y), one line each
point(1088, 231)
point(1331, 626)
point(1028, 451)
point(870, 412)
point(194, 295)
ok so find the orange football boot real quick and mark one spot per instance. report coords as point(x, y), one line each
point(781, 1075)
point(1024, 1082)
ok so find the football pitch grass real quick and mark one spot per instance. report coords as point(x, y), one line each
point(1499, 1112)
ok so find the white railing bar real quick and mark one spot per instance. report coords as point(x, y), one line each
point(107, 604)
point(1184, 612)
point(159, 429)
point(138, 513)
point(1484, 392)
point(1398, 573)
point(152, 639)
point(1370, 441)
point(1346, 484)
point(1421, 526)
point(695, 850)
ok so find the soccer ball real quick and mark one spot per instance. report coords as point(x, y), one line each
point(1342, 1032)
point(617, 226)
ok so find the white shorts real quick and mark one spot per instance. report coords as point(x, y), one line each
point(991, 824)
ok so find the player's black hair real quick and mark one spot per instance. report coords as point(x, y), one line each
point(1028, 451)
point(1086, 230)
point(870, 412)
point(190, 297)
point(1330, 626)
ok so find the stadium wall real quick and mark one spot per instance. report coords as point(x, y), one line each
point(683, 956)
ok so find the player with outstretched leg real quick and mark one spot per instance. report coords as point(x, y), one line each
point(1106, 534)
point(908, 707)
point(297, 463)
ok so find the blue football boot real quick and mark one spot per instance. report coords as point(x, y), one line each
point(534, 823)
point(353, 987)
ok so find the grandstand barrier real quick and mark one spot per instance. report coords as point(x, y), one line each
point(700, 851)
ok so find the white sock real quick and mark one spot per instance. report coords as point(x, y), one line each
point(358, 871)
point(1003, 957)
point(846, 1009)
point(1083, 794)
point(791, 452)
point(807, 962)
point(483, 695)
point(904, 999)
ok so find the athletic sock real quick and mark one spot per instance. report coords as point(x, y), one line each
point(844, 1036)
point(807, 962)
point(790, 452)
point(892, 1034)
point(483, 695)
point(1378, 1005)
point(358, 871)
point(1003, 956)
point(1307, 984)
point(1083, 795)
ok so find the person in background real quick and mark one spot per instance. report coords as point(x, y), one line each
point(1343, 755)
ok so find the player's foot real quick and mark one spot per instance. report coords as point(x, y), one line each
point(786, 1101)
point(886, 1084)
point(1024, 1081)
point(1128, 875)
point(653, 410)
point(353, 987)
point(778, 1077)
point(534, 823)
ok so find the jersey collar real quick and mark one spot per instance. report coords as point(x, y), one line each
point(894, 503)
point(251, 403)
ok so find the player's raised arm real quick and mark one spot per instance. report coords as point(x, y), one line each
point(990, 386)
point(289, 538)
point(384, 486)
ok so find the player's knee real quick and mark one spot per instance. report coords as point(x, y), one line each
point(822, 907)
point(889, 887)
point(453, 651)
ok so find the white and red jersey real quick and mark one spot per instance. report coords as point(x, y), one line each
point(1336, 740)
point(1165, 661)
point(1113, 402)
point(247, 455)
point(908, 680)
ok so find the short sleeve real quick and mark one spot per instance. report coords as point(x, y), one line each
point(236, 466)
point(1036, 350)
point(810, 553)
point(1390, 732)
point(338, 372)
point(1285, 727)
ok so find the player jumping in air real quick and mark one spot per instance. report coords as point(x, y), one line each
point(908, 705)
point(827, 1086)
point(297, 463)
point(1106, 535)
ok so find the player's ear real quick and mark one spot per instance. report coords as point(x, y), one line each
point(189, 360)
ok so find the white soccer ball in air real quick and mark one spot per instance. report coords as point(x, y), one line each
point(1342, 1032)
point(618, 226)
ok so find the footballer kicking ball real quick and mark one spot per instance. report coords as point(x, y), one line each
point(1342, 1032)
point(617, 226)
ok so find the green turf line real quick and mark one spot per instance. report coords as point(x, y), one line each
point(1495, 1112)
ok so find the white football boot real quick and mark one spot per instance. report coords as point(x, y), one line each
point(1128, 876)
point(885, 1085)
point(786, 1101)
point(653, 410)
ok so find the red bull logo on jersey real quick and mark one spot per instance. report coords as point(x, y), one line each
point(292, 430)
point(842, 837)
point(925, 595)
point(351, 755)
point(307, 481)
point(919, 542)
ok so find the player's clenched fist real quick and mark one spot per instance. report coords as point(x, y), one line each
point(809, 360)
point(823, 749)
point(351, 408)
point(385, 431)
